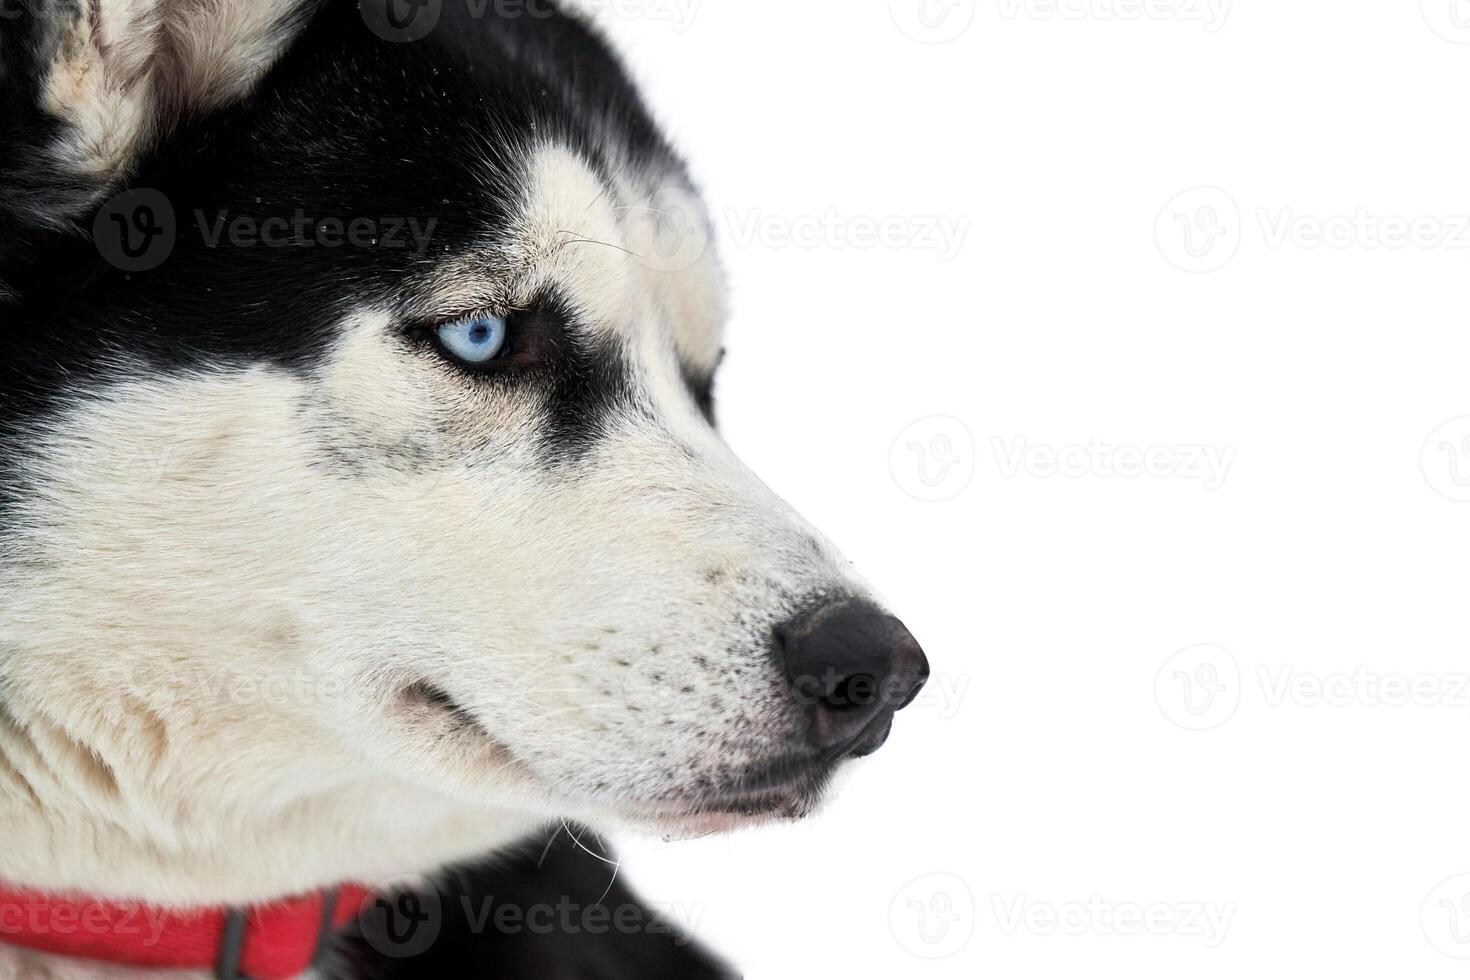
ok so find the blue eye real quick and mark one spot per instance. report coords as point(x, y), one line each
point(475, 339)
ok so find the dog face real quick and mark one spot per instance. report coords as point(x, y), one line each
point(396, 472)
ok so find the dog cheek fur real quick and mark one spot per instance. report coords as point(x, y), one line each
point(608, 620)
point(168, 701)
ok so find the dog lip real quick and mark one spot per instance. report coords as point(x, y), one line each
point(790, 785)
point(870, 740)
point(792, 805)
point(784, 786)
point(730, 811)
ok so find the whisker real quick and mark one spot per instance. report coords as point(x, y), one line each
point(616, 865)
point(593, 241)
point(555, 833)
point(640, 207)
point(600, 195)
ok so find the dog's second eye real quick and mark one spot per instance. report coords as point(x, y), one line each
point(474, 339)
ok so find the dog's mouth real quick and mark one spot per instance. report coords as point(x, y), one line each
point(783, 789)
point(785, 804)
point(433, 713)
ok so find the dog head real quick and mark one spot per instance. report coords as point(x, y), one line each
point(357, 398)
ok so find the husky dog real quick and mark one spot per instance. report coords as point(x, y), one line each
point(362, 510)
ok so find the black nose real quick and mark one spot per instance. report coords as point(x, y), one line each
point(851, 667)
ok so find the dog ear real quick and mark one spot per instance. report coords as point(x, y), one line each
point(87, 86)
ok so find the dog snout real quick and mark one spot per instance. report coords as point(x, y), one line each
point(851, 667)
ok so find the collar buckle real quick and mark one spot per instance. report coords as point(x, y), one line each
point(232, 939)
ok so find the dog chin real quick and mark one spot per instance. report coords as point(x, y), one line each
point(719, 813)
point(727, 817)
point(724, 818)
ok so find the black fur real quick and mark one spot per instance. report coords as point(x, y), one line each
point(548, 911)
point(35, 198)
point(702, 389)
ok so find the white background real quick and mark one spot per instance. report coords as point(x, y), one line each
point(1291, 794)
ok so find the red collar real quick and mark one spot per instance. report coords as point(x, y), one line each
point(273, 941)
